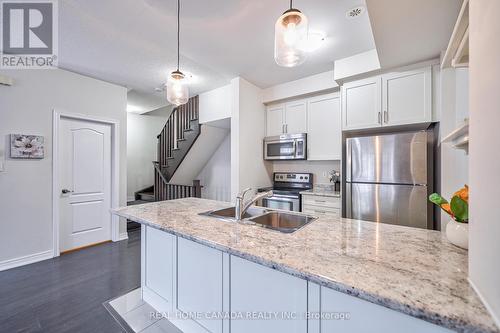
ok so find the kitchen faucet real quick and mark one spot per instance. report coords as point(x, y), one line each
point(241, 207)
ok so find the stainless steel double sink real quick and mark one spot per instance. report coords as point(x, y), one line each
point(272, 219)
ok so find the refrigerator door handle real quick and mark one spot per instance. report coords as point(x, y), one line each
point(348, 201)
point(348, 160)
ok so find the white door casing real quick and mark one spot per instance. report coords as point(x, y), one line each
point(84, 170)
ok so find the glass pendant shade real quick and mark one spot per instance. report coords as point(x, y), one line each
point(177, 88)
point(290, 33)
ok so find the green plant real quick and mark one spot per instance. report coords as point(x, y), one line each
point(457, 208)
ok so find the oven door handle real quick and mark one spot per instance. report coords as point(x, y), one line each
point(282, 198)
point(294, 148)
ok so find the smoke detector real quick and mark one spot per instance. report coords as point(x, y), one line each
point(355, 12)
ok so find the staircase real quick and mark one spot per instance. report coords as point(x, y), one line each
point(174, 142)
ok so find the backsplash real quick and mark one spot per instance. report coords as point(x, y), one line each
point(319, 169)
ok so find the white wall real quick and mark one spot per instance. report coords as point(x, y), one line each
point(307, 85)
point(26, 185)
point(453, 107)
point(215, 177)
point(319, 169)
point(484, 242)
point(357, 64)
point(215, 104)
point(248, 168)
point(142, 130)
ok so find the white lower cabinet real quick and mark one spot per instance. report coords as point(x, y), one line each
point(318, 205)
point(278, 301)
point(343, 313)
point(158, 267)
point(196, 283)
point(199, 284)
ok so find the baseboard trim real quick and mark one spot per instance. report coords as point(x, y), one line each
point(485, 303)
point(123, 236)
point(26, 260)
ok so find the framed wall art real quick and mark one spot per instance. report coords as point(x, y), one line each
point(26, 146)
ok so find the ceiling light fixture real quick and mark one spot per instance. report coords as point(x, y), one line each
point(177, 85)
point(314, 41)
point(290, 31)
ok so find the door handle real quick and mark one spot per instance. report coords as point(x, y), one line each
point(380, 118)
point(65, 191)
point(386, 116)
point(283, 129)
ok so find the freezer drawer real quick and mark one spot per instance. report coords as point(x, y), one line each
point(405, 205)
point(395, 159)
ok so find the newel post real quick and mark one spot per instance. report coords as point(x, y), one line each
point(197, 188)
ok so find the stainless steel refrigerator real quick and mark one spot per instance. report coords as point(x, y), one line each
point(389, 177)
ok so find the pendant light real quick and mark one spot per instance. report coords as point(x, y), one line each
point(177, 87)
point(290, 32)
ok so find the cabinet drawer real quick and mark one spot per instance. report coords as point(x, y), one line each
point(321, 211)
point(316, 200)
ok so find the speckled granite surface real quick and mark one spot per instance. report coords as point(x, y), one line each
point(410, 270)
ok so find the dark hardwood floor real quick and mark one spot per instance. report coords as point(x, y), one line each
point(65, 294)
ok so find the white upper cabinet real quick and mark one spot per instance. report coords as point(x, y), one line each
point(324, 133)
point(296, 117)
point(275, 120)
point(398, 98)
point(287, 118)
point(361, 103)
point(407, 97)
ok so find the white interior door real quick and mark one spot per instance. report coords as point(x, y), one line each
point(85, 183)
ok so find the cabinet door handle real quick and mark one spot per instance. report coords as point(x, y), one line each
point(321, 201)
point(286, 128)
point(380, 118)
point(283, 128)
point(386, 116)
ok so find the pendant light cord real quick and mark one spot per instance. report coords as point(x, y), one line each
point(178, 30)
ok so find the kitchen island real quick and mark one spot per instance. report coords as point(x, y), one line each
point(333, 275)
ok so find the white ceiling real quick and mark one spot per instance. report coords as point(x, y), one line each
point(408, 31)
point(133, 42)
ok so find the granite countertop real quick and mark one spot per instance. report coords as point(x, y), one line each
point(413, 271)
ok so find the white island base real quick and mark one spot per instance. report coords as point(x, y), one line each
point(202, 289)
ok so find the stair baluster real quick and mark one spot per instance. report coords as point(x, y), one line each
point(174, 142)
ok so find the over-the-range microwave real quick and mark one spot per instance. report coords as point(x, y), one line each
point(286, 147)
